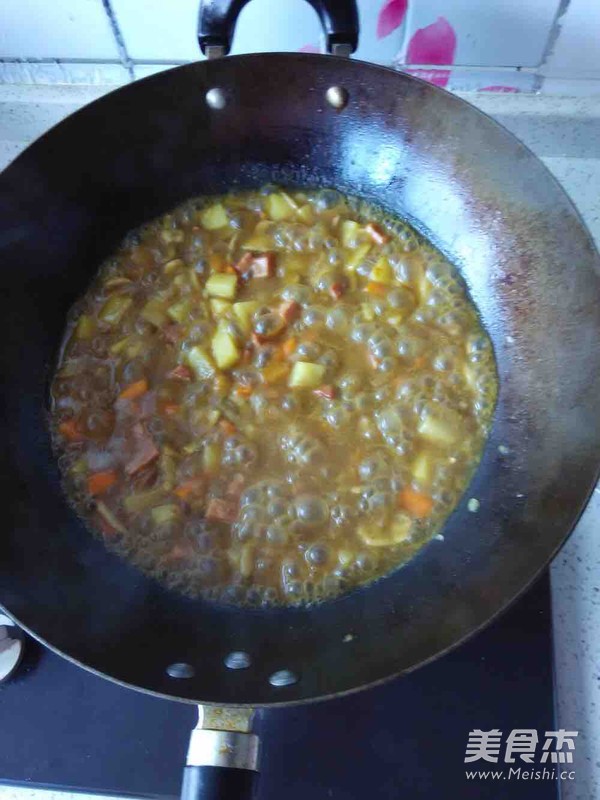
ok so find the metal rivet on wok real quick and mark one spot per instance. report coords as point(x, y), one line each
point(215, 98)
point(180, 670)
point(336, 97)
point(238, 660)
point(284, 677)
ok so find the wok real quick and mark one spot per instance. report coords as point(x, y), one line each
point(473, 189)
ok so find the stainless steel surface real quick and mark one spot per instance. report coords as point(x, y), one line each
point(222, 738)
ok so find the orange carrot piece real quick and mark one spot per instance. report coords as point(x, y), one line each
point(243, 391)
point(227, 427)
point(417, 504)
point(136, 389)
point(169, 409)
point(70, 430)
point(378, 289)
point(216, 262)
point(189, 487)
point(100, 482)
point(289, 346)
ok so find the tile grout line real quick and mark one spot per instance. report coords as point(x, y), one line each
point(553, 34)
point(119, 40)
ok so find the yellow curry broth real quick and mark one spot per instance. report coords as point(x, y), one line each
point(272, 396)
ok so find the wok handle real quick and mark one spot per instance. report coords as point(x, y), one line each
point(221, 765)
point(217, 783)
point(217, 19)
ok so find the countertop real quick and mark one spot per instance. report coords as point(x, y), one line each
point(565, 133)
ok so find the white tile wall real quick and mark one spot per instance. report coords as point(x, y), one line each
point(65, 29)
point(488, 32)
point(576, 51)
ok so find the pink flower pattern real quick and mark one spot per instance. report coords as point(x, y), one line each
point(391, 16)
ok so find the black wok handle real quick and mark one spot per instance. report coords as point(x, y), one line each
point(217, 783)
point(221, 765)
point(216, 24)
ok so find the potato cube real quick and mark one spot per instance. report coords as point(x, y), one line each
point(201, 362)
point(214, 217)
point(225, 349)
point(223, 285)
point(306, 375)
point(244, 312)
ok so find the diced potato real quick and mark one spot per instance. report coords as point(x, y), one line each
point(171, 236)
point(121, 345)
point(143, 500)
point(422, 468)
point(260, 241)
point(367, 312)
point(219, 307)
point(179, 312)
point(85, 328)
point(398, 530)
point(214, 217)
point(306, 214)
point(280, 206)
point(350, 233)
point(155, 312)
point(223, 285)
point(306, 375)
point(247, 560)
point(201, 362)
point(244, 312)
point(163, 515)
point(225, 349)
point(355, 257)
point(442, 428)
point(382, 272)
point(115, 307)
point(173, 265)
point(211, 457)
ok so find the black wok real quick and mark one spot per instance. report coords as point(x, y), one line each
point(469, 186)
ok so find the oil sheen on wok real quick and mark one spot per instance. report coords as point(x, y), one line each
point(271, 396)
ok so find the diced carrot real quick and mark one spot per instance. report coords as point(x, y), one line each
point(227, 427)
point(100, 482)
point(375, 288)
point(230, 269)
point(216, 262)
point(336, 290)
point(325, 391)
point(71, 430)
point(289, 346)
point(221, 510)
point(136, 389)
point(376, 233)
point(181, 373)
point(290, 310)
point(243, 391)
point(169, 409)
point(417, 504)
point(190, 487)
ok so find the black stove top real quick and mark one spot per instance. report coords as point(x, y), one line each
point(64, 728)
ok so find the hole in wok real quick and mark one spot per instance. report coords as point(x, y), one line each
point(180, 670)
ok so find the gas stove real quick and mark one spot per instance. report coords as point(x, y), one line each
point(65, 728)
